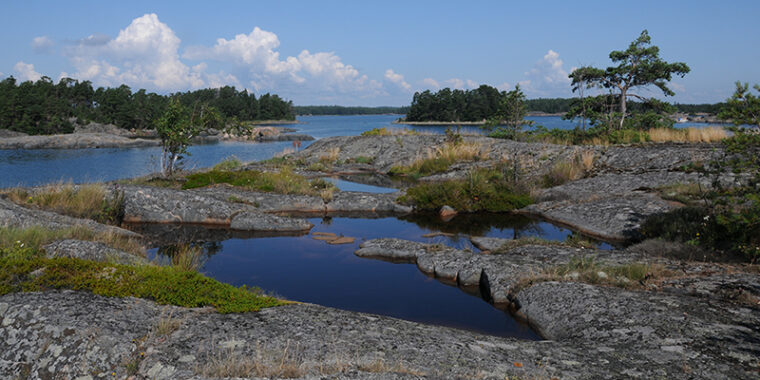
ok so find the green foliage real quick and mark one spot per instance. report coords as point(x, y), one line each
point(164, 285)
point(457, 105)
point(637, 66)
point(282, 182)
point(743, 107)
point(377, 132)
point(229, 163)
point(175, 128)
point(511, 113)
point(42, 107)
point(483, 190)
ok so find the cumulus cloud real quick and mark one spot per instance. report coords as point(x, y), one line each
point(42, 44)
point(26, 71)
point(432, 83)
point(547, 77)
point(257, 54)
point(398, 79)
point(145, 54)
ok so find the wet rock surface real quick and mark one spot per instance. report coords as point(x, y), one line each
point(89, 250)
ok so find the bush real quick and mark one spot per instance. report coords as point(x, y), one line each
point(484, 190)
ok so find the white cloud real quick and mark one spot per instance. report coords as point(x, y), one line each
point(547, 77)
point(145, 53)
point(26, 71)
point(431, 83)
point(506, 86)
point(42, 44)
point(257, 54)
point(398, 79)
point(472, 84)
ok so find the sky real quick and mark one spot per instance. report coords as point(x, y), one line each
point(373, 53)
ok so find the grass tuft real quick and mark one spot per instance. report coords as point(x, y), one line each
point(35, 237)
point(282, 182)
point(439, 159)
point(229, 163)
point(90, 201)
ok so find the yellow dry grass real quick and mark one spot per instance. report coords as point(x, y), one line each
point(687, 135)
point(331, 155)
point(455, 152)
point(84, 201)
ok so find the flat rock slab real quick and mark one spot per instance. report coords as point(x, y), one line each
point(608, 218)
point(89, 250)
point(145, 204)
point(13, 215)
point(494, 274)
point(342, 202)
point(71, 334)
point(709, 338)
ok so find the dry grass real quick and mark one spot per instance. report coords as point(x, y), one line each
point(685, 193)
point(290, 362)
point(285, 152)
point(36, 237)
point(91, 201)
point(330, 156)
point(456, 152)
point(166, 325)
point(588, 270)
point(393, 131)
point(187, 257)
point(587, 160)
point(687, 135)
point(574, 241)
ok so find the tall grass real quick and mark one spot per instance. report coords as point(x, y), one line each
point(91, 201)
point(36, 237)
point(687, 135)
point(283, 181)
point(229, 163)
point(439, 159)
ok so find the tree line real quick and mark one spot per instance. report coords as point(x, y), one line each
point(43, 107)
point(342, 110)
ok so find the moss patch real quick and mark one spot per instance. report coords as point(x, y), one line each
point(164, 285)
point(282, 182)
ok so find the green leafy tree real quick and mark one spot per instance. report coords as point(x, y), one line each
point(638, 66)
point(510, 115)
point(743, 107)
point(175, 128)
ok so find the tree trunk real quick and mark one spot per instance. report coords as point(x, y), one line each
point(622, 107)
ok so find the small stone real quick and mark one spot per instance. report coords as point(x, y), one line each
point(341, 240)
point(447, 213)
point(601, 275)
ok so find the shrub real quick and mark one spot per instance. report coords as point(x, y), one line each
point(229, 163)
point(483, 190)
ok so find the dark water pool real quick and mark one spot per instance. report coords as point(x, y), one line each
point(303, 269)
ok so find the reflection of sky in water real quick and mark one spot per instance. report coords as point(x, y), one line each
point(344, 185)
point(308, 270)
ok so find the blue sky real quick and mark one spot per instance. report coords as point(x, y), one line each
point(373, 53)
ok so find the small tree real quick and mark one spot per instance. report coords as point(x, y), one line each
point(638, 66)
point(511, 113)
point(742, 107)
point(175, 128)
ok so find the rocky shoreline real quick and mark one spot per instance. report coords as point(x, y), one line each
point(109, 136)
point(701, 320)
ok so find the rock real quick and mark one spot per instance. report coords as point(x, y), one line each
point(447, 213)
point(75, 141)
point(88, 250)
point(6, 133)
point(258, 221)
point(341, 240)
point(352, 202)
point(71, 334)
point(13, 215)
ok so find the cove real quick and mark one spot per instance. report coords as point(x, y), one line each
point(302, 269)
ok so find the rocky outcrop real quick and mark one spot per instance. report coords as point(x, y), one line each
point(144, 204)
point(75, 141)
point(5, 133)
point(13, 215)
point(342, 203)
point(494, 274)
point(89, 250)
point(702, 338)
point(609, 206)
